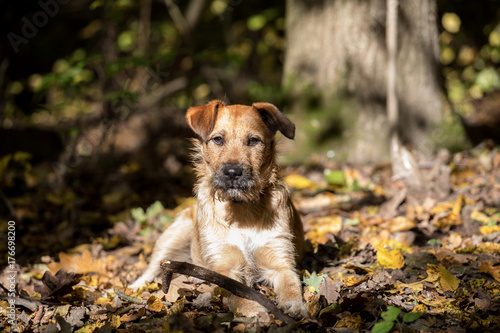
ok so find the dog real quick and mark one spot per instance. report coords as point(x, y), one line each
point(244, 224)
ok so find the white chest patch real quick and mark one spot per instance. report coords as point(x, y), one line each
point(248, 240)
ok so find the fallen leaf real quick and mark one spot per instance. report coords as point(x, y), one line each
point(57, 285)
point(134, 315)
point(420, 308)
point(390, 259)
point(322, 227)
point(176, 285)
point(328, 289)
point(447, 281)
point(401, 223)
point(488, 268)
point(154, 304)
point(298, 182)
point(83, 263)
point(480, 217)
point(486, 229)
point(313, 281)
point(488, 247)
point(352, 280)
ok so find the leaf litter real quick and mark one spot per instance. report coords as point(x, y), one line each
point(380, 257)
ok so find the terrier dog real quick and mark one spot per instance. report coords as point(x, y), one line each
point(244, 224)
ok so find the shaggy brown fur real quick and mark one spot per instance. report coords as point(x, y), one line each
point(244, 224)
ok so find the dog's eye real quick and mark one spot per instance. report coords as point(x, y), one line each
point(218, 140)
point(253, 141)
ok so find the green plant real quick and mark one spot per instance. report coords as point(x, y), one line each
point(391, 317)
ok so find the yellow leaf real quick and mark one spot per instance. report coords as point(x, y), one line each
point(457, 206)
point(390, 259)
point(446, 220)
point(488, 268)
point(441, 207)
point(485, 229)
point(352, 281)
point(446, 280)
point(177, 307)
point(83, 263)
point(298, 182)
point(488, 247)
point(102, 300)
point(353, 322)
point(114, 321)
point(401, 223)
point(421, 308)
point(154, 304)
point(481, 217)
point(322, 226)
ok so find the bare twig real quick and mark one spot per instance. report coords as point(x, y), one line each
point(237, 288)
point(179, 21)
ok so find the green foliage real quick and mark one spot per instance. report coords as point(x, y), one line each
point(390, 317)
point(155, 212)
point(313, 281)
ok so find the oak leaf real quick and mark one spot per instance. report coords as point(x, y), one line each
point(488, 268)
point(83, 263)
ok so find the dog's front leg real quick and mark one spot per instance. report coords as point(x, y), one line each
point(278, 269)
point(231, 262)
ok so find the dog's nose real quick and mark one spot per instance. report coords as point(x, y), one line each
point(232, 170)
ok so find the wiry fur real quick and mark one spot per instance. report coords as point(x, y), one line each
point(246, 228)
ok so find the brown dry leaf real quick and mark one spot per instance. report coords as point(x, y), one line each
point(328, 289)
point(134, 315)
point(176, 285)
point(415, 287)
point(154, 304)
point(58, 285)
point(390, 259)
point(445, 254)
point(321, 201)
point(446, 280)
point(322, 226)
point(352, 280)
point(83, 263)
point(354, 322)
point(488, 268)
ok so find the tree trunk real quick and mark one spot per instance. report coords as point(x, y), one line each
point(336, 49)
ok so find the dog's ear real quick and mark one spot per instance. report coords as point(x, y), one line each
point(202, 118)
point(275, 120)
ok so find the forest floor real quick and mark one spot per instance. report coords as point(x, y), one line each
point(380, 257)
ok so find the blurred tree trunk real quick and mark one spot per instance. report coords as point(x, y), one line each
point(337, 49)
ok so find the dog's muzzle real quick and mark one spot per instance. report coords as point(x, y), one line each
point(233, 179)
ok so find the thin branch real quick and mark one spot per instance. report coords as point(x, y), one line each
point(179, 21)
point(237, 288)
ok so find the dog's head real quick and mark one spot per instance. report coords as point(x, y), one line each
point(236, 151)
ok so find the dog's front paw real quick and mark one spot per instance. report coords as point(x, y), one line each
point(295, 309)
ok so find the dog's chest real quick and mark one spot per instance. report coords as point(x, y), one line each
point(248, 240)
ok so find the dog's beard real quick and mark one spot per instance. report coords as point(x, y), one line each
point(242, 189)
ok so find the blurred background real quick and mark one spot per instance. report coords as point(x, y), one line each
point(93, 94)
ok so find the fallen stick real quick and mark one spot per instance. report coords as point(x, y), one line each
point(237, 288)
